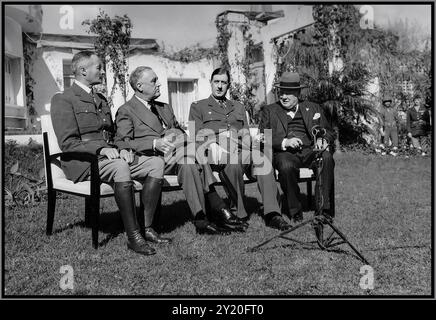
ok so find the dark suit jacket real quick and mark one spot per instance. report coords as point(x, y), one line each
point(273, 116)
point(138, 126)
point(417, 121)
point(79, 127)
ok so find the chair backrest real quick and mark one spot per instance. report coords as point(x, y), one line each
point(52, 147)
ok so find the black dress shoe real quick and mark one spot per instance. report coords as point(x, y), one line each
point(137, 244)
point(276, 221)
point(153, 236)
point(225, 216)
point(210, 228)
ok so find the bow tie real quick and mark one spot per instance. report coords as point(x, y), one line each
point(294, 109)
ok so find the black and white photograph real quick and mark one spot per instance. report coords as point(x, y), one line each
point(225, 150)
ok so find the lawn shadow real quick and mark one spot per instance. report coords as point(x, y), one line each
point(178, 213)
point(110, 223)
point(309, 246)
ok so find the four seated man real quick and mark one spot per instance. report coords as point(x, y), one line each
point(146, 141)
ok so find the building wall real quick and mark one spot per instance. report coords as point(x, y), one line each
point(48, 75)
point(15, 110)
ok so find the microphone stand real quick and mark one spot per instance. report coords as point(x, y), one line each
point(319, 220)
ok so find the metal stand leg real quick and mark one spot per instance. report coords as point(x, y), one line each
point(318, 222)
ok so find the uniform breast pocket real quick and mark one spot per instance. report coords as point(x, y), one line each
point(210, 118)
point(86, 117)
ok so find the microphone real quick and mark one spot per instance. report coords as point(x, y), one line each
point(319, 141)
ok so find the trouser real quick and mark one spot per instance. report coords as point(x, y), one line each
point(118, 170)
point(266, 184)
point(420, 142)
point(391, 132)
point(288, 164)
point(196, 180)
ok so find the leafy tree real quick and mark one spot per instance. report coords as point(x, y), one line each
point(112, 44)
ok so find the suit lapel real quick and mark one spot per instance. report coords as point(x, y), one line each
point(161, 110)
point(281, 114)
point(217, 108)
point(98, 100)
point(145, 115)
point(306, 114)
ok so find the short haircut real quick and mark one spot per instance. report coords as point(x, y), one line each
point(136, 74)
point(79, 58)
point(220, 71)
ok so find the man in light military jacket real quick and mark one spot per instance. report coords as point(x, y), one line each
point(218, 116)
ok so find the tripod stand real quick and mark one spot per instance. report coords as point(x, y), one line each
point(319, 220)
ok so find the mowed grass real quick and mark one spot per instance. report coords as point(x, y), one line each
point(383, 205)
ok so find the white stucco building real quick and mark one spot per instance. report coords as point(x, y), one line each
point(19, 20)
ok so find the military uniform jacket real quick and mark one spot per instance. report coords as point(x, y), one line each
point(137, 126)
point(81, 125)
point(273, 117)
point(208, 114)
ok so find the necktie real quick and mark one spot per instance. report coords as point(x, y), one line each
point(222, 103)
point(154, 110)
point(94, 99)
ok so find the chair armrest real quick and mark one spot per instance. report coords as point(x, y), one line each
point(87, 157)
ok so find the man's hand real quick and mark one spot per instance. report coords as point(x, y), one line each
point(110, 153)
point(409, 134)
point(163, 145)
point(216, 152)
point(127, 155)
point(293, 143)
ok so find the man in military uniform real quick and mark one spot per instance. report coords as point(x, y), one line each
point(149, 127)
point(82, 123)
point(218, 117)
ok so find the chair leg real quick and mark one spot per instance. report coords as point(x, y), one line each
point(94, 216)
point(309, 194)
point(51, 206)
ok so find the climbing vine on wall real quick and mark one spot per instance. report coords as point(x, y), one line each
point(112, 44)
point(223, 38)
point(242, 92)
point(29, 54)
point(189, 54)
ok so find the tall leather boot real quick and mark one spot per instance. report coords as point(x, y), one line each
point(150, 196)
point(125, 198)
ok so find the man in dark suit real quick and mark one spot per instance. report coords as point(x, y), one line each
point(291, 122)
point(82, 123)
point(225, 122)
point(149, 127)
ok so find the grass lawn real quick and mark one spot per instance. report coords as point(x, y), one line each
point(383, 205)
